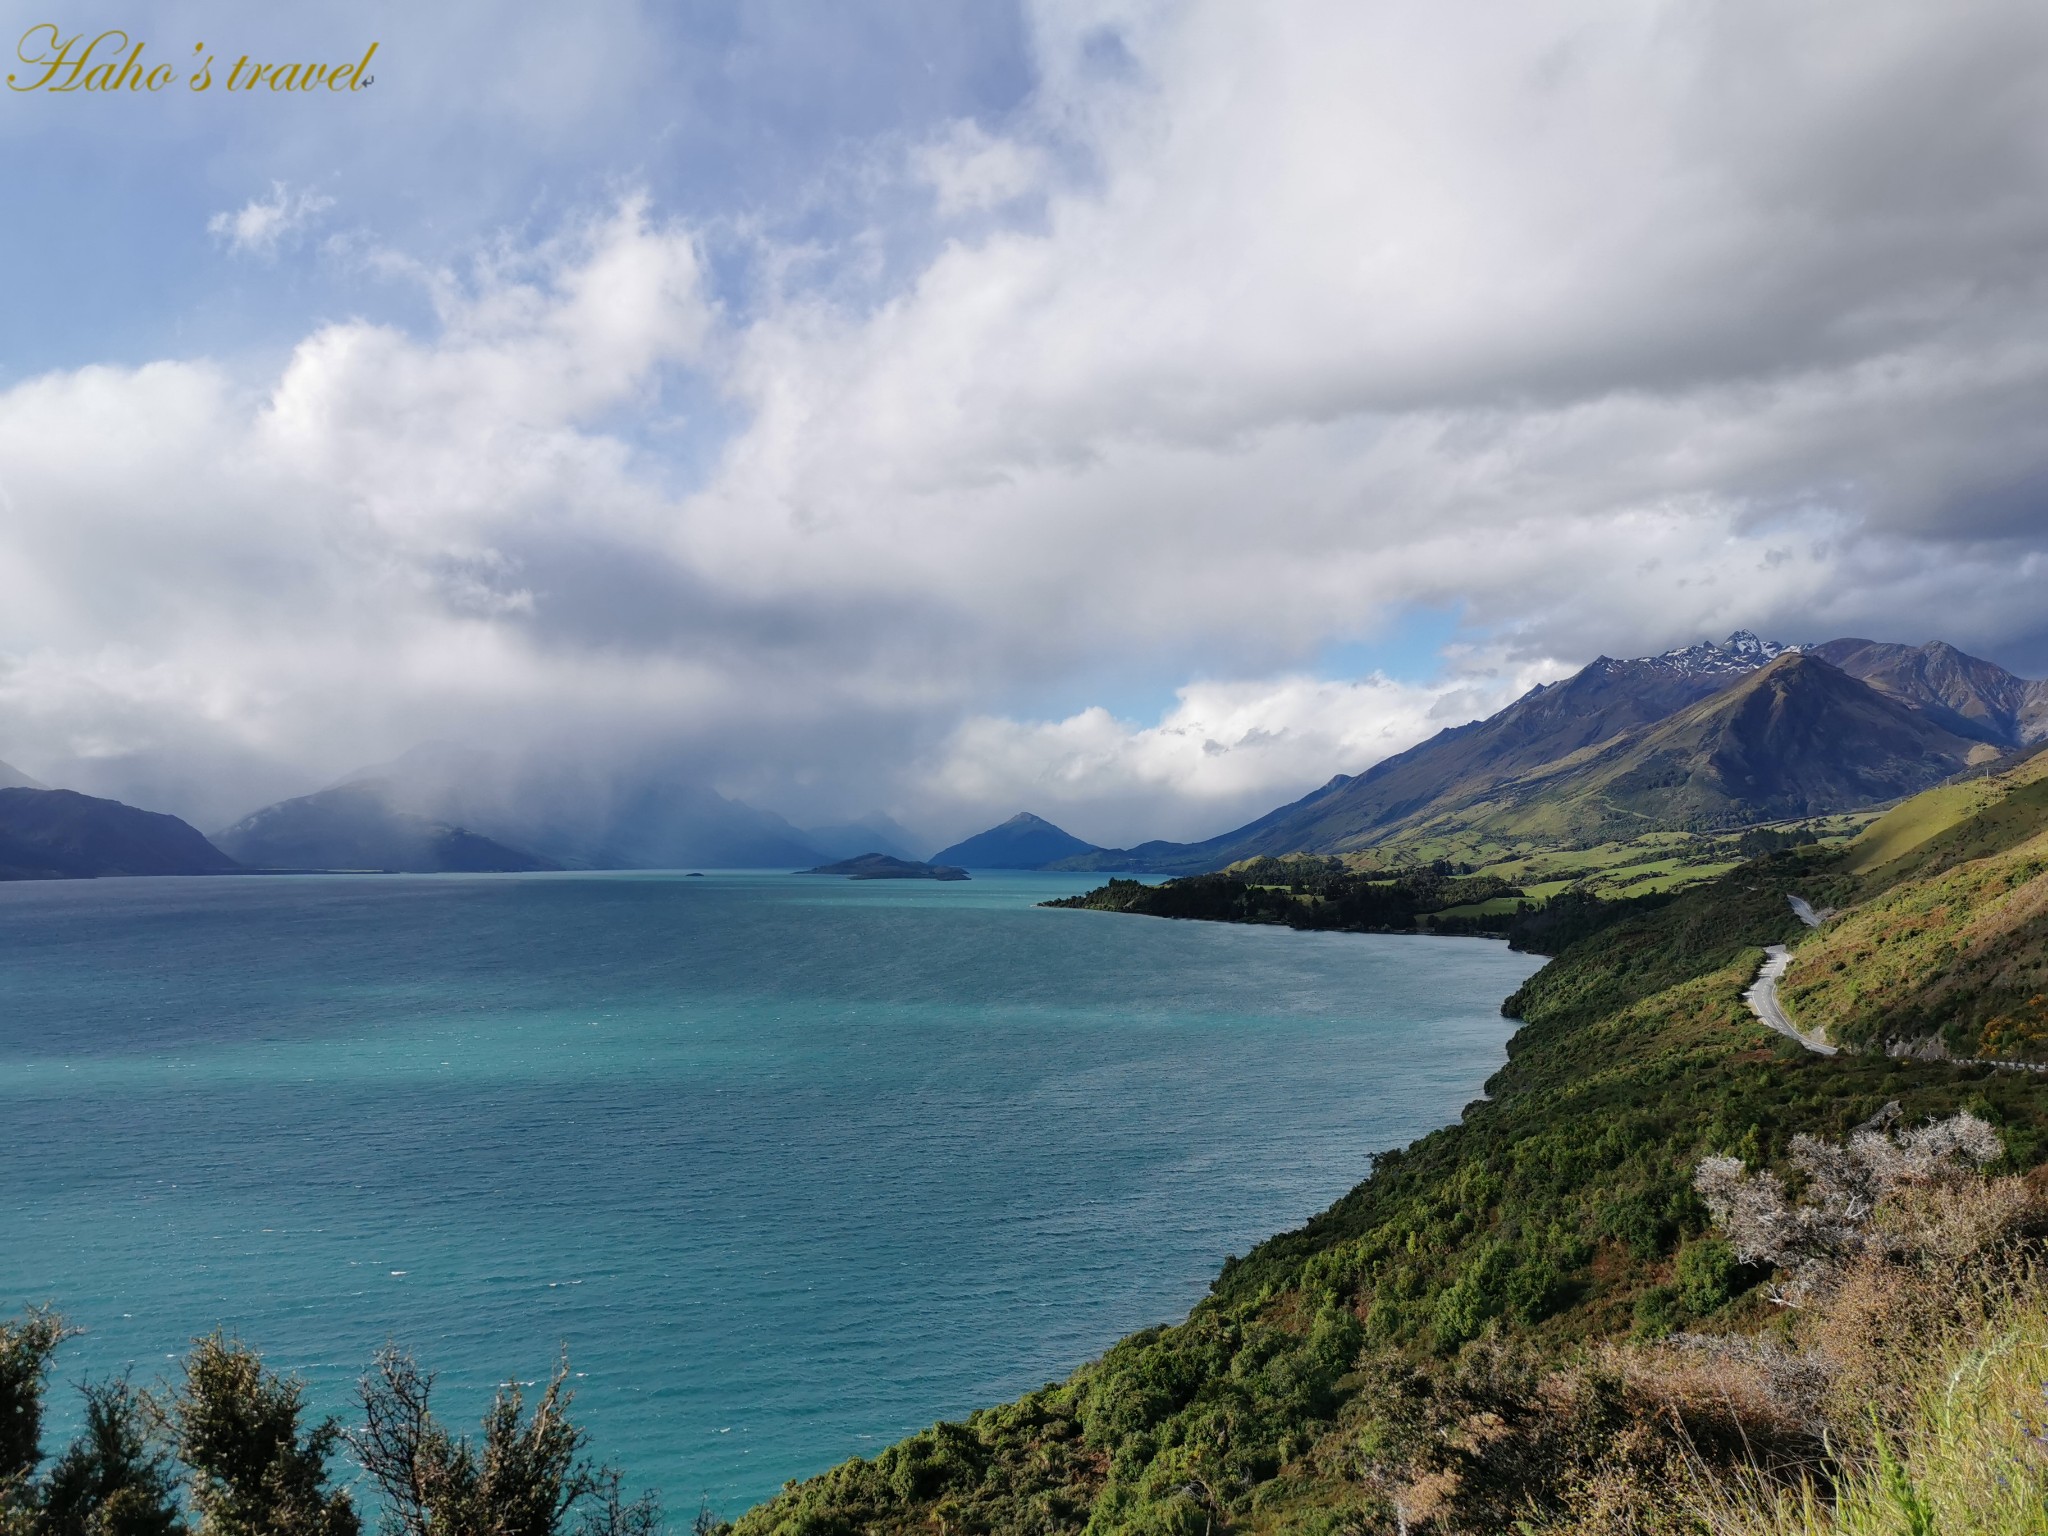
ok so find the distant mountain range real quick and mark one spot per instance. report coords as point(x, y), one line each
point(1708, 736)
point(443, 807)
point(1705, 737)
point(355, 826)
point(1962, 693)
point(438, 808)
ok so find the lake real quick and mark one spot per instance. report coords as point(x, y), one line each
point(792, 1166)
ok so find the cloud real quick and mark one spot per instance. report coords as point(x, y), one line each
point(306, 571)
point(1224, 753)
point(971, 171)
point(1608, 329)
point(262, 224)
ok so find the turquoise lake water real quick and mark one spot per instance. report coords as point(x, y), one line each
point(793, 1166)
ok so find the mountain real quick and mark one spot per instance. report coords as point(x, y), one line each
point(1798, 738)
point(1963, 693)
point(13, 778)
point(1024, 841)
point(1576, 759)
point(50, 834)
point(353, 826)
point(1463, 764)
point(871, 834)
point(576, 814)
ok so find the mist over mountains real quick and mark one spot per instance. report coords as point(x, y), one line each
point(1710, 735)
point(538, 813)
point(1704, 737)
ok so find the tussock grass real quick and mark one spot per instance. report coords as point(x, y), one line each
point(1905, 827)
point(1962, 956)
point(1963, 1447)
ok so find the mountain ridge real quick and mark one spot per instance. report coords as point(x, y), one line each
point(1965, 693)
point(59, 834)
point(1476, 773)
point(567, 813)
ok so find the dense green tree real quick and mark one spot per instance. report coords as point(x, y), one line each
point(116, 1478)
point(26, 1346)
point(255, 1471)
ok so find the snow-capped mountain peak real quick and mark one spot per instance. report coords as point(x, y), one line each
point(1742, 651)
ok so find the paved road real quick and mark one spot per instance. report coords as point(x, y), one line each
point(1762, 998)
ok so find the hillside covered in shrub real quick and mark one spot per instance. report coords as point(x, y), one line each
point(1502, 1327)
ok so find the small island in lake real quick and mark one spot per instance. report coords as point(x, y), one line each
point(880, 866)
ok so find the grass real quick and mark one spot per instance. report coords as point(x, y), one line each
point(1638, 866)
point(1499, 906)
point(1946, 937)
point(1961, 957)
point(1907, 826)
point(1907, 834)
point(1966, 1450)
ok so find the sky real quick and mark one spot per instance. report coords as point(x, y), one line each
point(1132, 412)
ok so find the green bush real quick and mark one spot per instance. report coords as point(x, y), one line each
point(115, 1479)
point(1706, 1273)
point(1658, 1311)
point(1535, 1290)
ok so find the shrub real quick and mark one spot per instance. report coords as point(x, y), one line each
point(1706, 1272)
point(26, 1346)
point(116, 1478)
point(524, 1479)
point(1847, 1187)
point(254, 1470)
point(1657, 1312)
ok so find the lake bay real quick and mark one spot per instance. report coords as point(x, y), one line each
point(792, 1166)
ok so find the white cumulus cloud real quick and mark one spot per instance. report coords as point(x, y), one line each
point(1226, 751)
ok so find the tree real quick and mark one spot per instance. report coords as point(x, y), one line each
point(254, 1471)
point(115, 1480)
point(26, 1346)
point(525, 1479)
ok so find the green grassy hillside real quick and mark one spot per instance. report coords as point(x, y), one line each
point(1944, 943)
point(1967, 819)
point(1424, 1355)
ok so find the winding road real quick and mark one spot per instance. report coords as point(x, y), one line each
point(1762, 995)
point(1762, 998)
